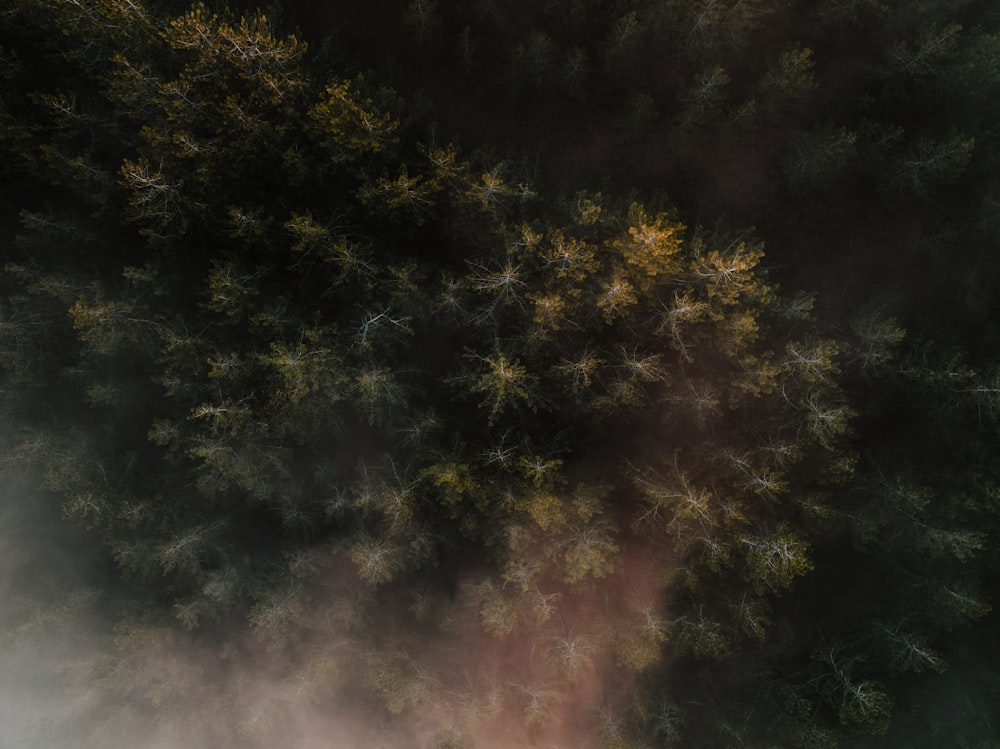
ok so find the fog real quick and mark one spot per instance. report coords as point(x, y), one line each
point(81, 667)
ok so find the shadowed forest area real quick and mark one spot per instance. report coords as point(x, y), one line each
point(439, 374)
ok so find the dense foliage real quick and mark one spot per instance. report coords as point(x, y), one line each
point(503, 458)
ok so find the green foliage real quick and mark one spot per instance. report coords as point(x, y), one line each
point(930, 164)
point(623, 41)
point(819, 158)
point(789, 81)
point(296, 372)
point(775, 559)
point(533, 59)
point(712, 24)
point(703, 98)
point(925, 55)
point(422, 17)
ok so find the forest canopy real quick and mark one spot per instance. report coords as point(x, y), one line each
point(341, 407)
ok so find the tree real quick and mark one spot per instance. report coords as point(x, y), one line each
point(304, 367)
point(233, 289)
point(860, 702)
point(701, 100)
point(789, 81)
point(378, 561)
point(826, 422)
point(683, 510)
point(820, 157)
point(378, 392)
point(616, 297)
point(924, 58)
point(637, 642)
point(774, 558)
point(156, 198)
point(623, 43)
point(812, 362)
point(572, 656)
point(579, 373)
point(930, 164)
point(466, 49)
point(502, 285)
point(421, 16)
point(397, 679)
point(498, 610)
point(651, 251)
point(575, 72)
point(710, 24)
point(640, 114)
point(406, 196)
point(349, 124)
point(727, 274)
point(588, 550)
point(908, 650)
point(701, 635)
point(281, 284)
point(492, 192)
point(533, 59)
point(752, 616)
point(503, 383)
point(851, 13)
point(875, 342)
point(540, 702)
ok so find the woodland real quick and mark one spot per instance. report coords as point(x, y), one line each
point(457, 374)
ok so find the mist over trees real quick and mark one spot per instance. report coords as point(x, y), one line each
point(453, 374)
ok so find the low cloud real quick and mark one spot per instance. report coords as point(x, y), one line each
point(414, 666)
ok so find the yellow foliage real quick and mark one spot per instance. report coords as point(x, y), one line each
point(759, 377)
point(394, 675)
point(570, 259)
point(651, 252)
point(729, 274)
point(352, 122)
point(549, 312)
point(504, 383)
point(303, 369)
point(413, 194)
point(497, 608)
point(378, 561)
point(638, 643)
point(103, 322)
point(588, 550)
point(813, 362)
point(231, 289)
point(589, 209)
point(618, 295)
point(736, 333)
point(545, 508)
point(453, 479)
